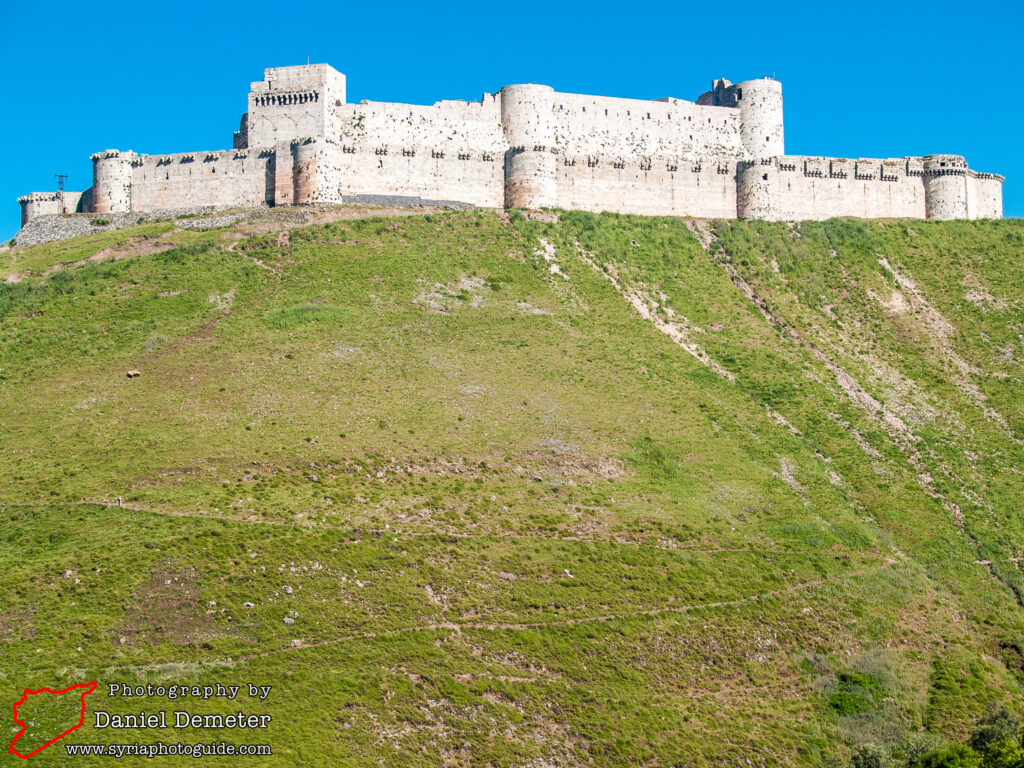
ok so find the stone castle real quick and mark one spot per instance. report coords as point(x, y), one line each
point(528, 146)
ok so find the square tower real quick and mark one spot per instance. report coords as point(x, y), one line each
point(294, 103)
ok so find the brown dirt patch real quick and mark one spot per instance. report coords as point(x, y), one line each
point(16, 625)
point(166, 608)
point(138, 246)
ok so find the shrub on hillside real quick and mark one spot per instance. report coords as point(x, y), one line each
point(855, 693)
point(1005, 753)
point(997, 724)
point(871, 756)
point(952, 756)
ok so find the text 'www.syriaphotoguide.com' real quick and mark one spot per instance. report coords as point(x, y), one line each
point(159, 749)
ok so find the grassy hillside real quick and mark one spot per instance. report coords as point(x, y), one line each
point(470, 489)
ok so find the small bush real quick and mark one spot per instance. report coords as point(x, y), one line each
point(871, 756)
point(154, 342)
point(917, 746)
point(855, 693)
point(996, 724)
point(99, 222)
point(953, 756)
point(1005, 753)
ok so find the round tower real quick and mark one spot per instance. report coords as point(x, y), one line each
point(38, 204)
point(304, 172)
point(527, 117)
point(760, 103)
point(757, 189)
point(945, 187)
point(112, 181)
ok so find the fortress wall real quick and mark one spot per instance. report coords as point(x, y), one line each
point(420, 172)
point(446, 125)
point(825, 187)
point(984, 196)
point(50, 204)
point(530, 146)
point(238, 177)
point(595, 125)
point(451, 150)
point(327, 185)
point(649, 188)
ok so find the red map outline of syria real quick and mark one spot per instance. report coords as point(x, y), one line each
point(89, 688)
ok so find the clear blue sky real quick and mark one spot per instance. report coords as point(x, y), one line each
point(869, 79)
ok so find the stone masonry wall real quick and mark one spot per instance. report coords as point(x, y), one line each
point(528, 145)
point(653, 188)
point(984, 196)
point(53, 203)
point(447, 151)
point(869, 188)
point(235, 177)
point(635, 129)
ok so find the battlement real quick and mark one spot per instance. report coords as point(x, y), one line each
point(39, 197)
point(111, 154)
point(528, 145)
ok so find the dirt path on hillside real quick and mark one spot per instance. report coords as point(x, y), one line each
point(493, 626)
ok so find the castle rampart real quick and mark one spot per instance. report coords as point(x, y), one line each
point(54, 204)
point(721, 156)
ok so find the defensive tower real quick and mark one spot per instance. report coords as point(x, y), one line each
point(292, 103)
point(945, 186)
point(527, 118)
point(112, 181)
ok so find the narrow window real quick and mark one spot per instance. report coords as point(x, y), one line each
point(606, 113)
point(739, 94)
point(767, 138)
point(765, 177)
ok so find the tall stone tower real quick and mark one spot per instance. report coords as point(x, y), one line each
point(527, 118)
point(293, 103)
point(112, 181)
point(763, 138)
point(945, 187)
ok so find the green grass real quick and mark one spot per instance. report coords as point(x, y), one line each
point(517, 521)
